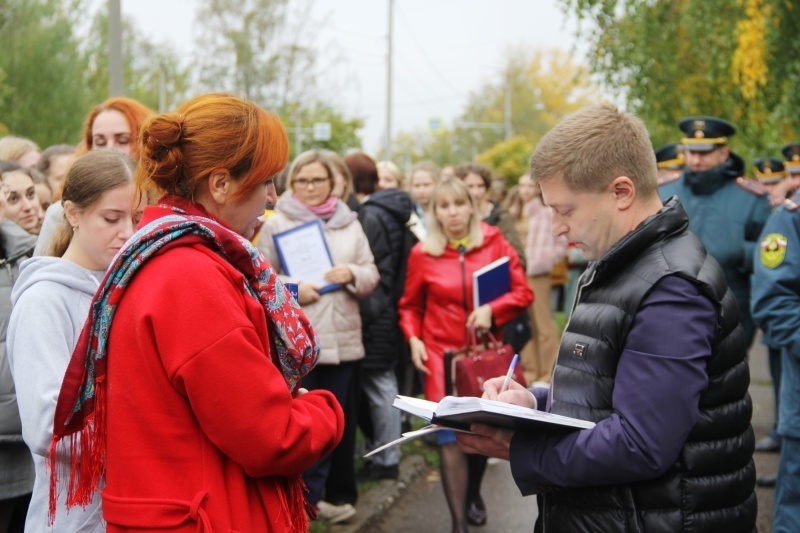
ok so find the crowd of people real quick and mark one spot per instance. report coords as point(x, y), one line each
point(158, 372)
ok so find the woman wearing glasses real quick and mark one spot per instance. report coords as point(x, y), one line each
point(335, 314)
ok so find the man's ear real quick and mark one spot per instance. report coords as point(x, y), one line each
point(71, 214)
point(220, 185)
point(624, 191)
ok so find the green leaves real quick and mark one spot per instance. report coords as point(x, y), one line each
point(54, 65)
point(735, 59)
point(41, 90)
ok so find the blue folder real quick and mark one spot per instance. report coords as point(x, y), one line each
point(491, 282)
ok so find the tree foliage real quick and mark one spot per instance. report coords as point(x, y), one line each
point(344, 132)
point(41, 67)
point(256, 48)
point(52, 72)
point(262, 50)
point(545, 85)
point(54, 66)
point(146, 64)
point(509, 159)
point(735, 59)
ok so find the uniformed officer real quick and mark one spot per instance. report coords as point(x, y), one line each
point(771, 174)
point(791, 152)
point(670, 160)
point(776, 309)
point(726, 211)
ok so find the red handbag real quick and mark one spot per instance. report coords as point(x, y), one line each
point(468, 368)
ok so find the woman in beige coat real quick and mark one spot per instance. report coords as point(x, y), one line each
point(335, 314)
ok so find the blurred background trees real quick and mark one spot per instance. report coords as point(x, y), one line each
point(668, 59)
point(54, 66)
point(545, 86)
point(42, 84)
point(662, 59)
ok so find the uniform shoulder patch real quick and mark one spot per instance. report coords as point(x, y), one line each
point(752, 186)
point(773, 250)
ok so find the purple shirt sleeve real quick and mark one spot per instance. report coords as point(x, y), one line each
point(660, 376)
point(542, 395)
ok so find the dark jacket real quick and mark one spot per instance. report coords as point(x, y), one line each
point(710, 487)
point(383, 216)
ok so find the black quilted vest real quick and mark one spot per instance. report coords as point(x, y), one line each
point(710, 487)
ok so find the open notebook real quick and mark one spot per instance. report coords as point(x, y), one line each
point(459, 412)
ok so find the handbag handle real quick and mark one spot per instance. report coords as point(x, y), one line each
point(472, 340)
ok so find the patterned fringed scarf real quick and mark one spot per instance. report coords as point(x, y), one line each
point(81, 409)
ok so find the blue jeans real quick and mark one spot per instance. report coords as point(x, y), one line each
point(380, 390)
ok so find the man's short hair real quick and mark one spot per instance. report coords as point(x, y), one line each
point(593, 146)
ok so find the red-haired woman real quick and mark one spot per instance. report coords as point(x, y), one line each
point(114, 124)
point(184, 388)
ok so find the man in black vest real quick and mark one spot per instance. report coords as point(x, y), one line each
point(654, 354)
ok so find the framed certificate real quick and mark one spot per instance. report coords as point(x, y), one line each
point(304, 254)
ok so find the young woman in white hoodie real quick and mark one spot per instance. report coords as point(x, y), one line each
point(51, 302)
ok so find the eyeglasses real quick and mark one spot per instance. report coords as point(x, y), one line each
point(304, 183)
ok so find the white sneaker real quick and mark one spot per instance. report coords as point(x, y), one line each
point(335, 513)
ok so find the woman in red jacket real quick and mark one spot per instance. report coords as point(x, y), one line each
point(437, 305)
point(184, 389)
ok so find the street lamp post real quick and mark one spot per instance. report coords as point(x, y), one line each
point(116, 85)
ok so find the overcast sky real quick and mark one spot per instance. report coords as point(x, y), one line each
point(443, 49)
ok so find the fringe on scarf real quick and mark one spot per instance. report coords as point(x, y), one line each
point(85, 454)
point(294, 504)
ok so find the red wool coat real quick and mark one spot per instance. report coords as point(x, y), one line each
point(433, 309)
point(202, 428)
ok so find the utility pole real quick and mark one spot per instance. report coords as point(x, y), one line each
point(162, 87)
point(508, 131)
point(116, 85)
point(388, 155)
point(298, 132)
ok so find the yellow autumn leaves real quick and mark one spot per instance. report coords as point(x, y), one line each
point(750, 57)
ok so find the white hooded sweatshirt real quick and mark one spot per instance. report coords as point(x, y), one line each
point(51, 300)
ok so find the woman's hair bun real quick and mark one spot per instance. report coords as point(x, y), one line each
point(161, 149)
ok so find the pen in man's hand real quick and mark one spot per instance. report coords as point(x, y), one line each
point(510, 372)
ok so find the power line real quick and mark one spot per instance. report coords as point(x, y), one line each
point(424, 54)
point(423, 80)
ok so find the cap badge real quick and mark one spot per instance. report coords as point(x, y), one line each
point(699, 134)
point(796, 157)
point(767, 169)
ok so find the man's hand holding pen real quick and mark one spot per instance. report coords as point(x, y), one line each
point(489, 440)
